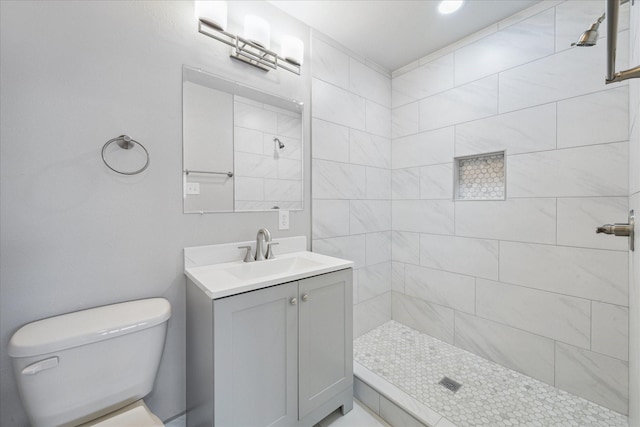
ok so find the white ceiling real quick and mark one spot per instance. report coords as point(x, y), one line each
point(395, 33)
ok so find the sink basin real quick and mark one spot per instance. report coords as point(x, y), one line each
point(230, 278)
point(258, 269)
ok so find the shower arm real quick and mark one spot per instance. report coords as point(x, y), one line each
point(613, 7)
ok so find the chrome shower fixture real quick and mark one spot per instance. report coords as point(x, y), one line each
point(590, 37)
point(280, 144)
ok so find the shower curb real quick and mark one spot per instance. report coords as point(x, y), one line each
point(391, 403)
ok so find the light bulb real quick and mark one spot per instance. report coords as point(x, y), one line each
point(213, 13)
point(292, 49)
point(257, 30)
point(449, 6)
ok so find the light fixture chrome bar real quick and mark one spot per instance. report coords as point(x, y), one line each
point(257, 56)
point(239, 56)
point(213, 35)
point(613, 7)
point(248, 52)
point(229, 174)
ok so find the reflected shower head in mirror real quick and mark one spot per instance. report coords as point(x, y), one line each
point(590, 37)
point(280, 144)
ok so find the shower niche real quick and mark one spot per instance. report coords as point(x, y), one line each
point(480, 177)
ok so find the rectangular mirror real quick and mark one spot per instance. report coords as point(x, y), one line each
point(242, 148)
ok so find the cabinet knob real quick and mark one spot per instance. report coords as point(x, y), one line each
point(293, 301)
point(305, 297)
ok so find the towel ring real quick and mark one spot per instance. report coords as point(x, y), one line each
point(126, 142)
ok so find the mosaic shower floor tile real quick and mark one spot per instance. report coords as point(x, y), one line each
point(490, 396)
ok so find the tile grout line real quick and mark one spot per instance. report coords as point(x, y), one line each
point(591, 325)
point(502, 113)
point(517, 328)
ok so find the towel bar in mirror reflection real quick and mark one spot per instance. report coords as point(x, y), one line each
point(229, 174)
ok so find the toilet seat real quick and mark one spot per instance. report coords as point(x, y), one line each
point(135, 415)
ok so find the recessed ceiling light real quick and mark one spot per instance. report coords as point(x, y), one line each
point(449, 6)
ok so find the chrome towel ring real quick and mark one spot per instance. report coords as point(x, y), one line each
point(126, 142)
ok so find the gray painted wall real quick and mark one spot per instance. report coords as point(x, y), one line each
point(74, 234)
point(208, 146)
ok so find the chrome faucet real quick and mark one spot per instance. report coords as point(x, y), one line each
point(263, 236)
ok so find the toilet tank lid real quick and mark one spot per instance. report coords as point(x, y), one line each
point(87, 326)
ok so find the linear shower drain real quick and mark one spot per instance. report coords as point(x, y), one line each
point(450, 384)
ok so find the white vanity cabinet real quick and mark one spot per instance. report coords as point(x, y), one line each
point(277, 356)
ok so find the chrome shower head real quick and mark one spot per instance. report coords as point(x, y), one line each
point(280, 144)
point(590, 37)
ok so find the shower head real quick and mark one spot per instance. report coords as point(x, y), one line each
point(280, 144)
point(590, 37)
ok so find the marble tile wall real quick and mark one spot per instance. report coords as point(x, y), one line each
point(351, 175)
point(524, 282)
point(266, 175)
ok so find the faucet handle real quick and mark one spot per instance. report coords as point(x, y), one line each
point(247, 257)
point(270, 254)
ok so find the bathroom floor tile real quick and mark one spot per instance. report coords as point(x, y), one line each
point(490, 396)
point(359, 416)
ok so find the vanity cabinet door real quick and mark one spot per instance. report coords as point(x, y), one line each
point(325, 334)
point(255, 353)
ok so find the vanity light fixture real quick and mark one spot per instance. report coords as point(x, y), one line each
point(254, 47)
point(449, 6)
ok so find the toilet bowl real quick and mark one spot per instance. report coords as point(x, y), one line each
point(91, 367)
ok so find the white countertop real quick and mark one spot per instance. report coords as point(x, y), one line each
point(231, 278)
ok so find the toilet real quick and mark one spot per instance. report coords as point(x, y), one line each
point(91, 367)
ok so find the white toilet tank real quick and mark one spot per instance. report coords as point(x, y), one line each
point(79, 366)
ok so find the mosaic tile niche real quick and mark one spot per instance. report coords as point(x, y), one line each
point(480, 177)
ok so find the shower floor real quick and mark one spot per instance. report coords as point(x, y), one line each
point(400, 359)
